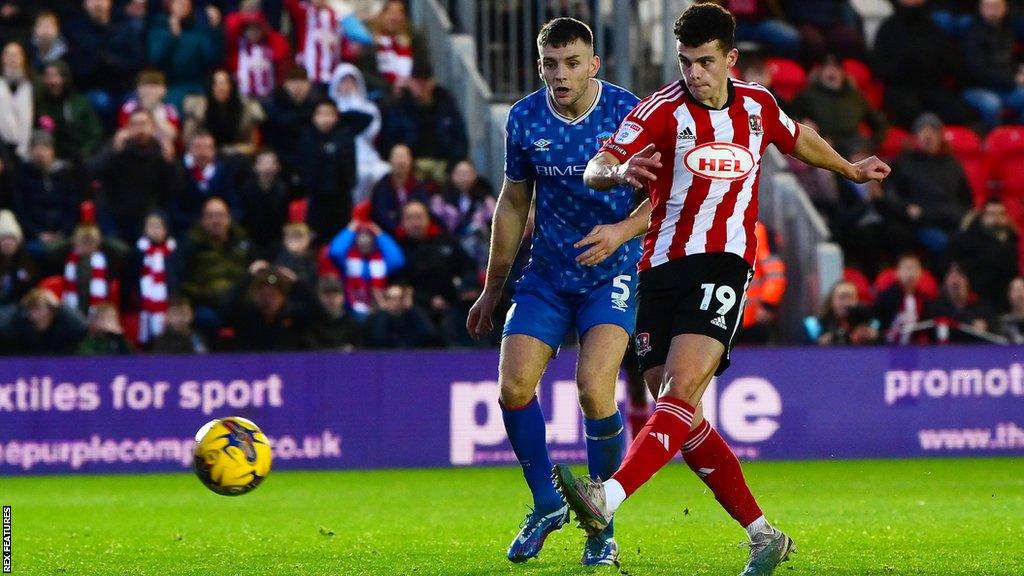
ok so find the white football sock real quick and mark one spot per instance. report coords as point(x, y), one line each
point(614, 495)
point(759, 526)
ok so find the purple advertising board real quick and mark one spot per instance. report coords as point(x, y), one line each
point(439, 408)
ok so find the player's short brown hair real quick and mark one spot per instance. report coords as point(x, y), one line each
point(705, 22)
point(563, 31)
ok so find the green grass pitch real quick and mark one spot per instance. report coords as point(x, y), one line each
point(945, 517)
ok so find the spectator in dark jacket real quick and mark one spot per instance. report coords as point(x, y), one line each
point(328, 167)
point(105, 336)
point(46, 199)
point(289, 111)
point(914, 59)
point(843, 320)
point(264, 202)
point(395, 190)
point(41, 326)
point(427, 119)
point(986, 248)
point(959, 306)
point(186, 48)
point(826, 25)
point(1011, 324)
point(838, 108)
point(67, 114)
point(928, 186)
point(399, 323)
point(17, 269)
point(443, 276)
point(205, 176)
point(104, 55)
point(178, 336)
point(47, 45)
point(340, 331)
point(994, 77)
point(136, 175)
point(902, 305)
point(271, 309)
point(216, 256)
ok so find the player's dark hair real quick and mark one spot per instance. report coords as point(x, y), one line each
point(704, 22)
point(563, 31)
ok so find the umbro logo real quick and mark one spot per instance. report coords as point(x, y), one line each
point(661, 437)
point(687, 134)
point(542, 145)
point(720, 322)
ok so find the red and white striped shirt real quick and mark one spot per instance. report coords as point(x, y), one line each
point(256, 72)
point(705, 197)
point(319, 38)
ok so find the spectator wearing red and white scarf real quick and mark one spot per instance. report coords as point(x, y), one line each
point(86, 271)
point(365, 255)
point(319, 38)
point(396, 47)
point(155, 249)
point(257, 55)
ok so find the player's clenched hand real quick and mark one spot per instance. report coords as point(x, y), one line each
point(603, 240)
point(479, 322)
point(870, 169)
point(640, 167)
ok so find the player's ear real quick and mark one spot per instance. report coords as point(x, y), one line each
point(540, 68)
point(731, 57)
point(595, 65)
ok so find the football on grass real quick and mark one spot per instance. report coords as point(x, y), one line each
point(231, 455)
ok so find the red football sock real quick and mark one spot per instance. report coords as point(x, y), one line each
point(656, 443)
point(710, 457)
point(638, 416)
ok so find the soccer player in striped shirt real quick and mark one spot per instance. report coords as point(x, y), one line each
point(551, 134)
point(697, 145)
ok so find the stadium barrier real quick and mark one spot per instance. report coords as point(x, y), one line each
point(439, 408)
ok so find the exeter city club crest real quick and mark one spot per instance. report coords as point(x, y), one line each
point(754, 120)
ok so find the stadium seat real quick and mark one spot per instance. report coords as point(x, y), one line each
point(896, 140)
point(788, 77)
point(861, 75)
point(1005, 155)
point(858, 279)
point(965, 144)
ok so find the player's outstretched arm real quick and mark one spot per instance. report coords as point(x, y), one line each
point(604, 171)
point(604, 239)
point(509, 222)
point(812, 149)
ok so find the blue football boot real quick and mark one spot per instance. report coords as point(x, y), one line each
point(534, 531)
point(600, 551)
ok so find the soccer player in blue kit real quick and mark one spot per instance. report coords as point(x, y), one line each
point(582, 272)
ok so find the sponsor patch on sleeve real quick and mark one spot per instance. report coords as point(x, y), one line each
point(628, 133)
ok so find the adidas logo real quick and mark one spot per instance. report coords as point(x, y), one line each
point(661, 437)
point(687, 134)
point(542, 145)
point(720, 322)
point(704, 472)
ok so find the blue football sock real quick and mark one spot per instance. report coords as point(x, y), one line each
point(606, 443)
point(526, 431)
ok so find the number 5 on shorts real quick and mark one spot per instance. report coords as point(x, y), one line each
point(725, 295)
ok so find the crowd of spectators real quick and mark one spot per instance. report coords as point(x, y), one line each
point(182, 176)
point(201, 175)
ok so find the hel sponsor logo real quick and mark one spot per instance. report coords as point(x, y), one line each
point(719, 161)
point(577, 170)
point(628, 132)
point(902, 386)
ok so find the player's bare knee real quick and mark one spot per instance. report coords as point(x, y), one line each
point(516, 390)
point(597, 402)
point(685, 386)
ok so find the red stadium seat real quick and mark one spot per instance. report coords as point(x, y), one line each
point(788, 77)
point(896, 140)
point(965, 144)
point(858, 279)
point(861, 75)
point(1005, 154)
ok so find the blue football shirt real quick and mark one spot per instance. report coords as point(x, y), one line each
point(553, 151)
